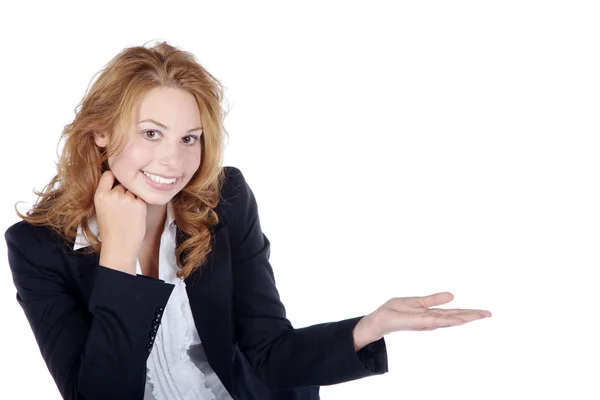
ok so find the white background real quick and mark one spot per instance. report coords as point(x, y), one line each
point(395, 149)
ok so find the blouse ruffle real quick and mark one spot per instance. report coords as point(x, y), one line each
point(172, 373)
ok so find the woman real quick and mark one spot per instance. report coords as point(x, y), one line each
point(143, 270)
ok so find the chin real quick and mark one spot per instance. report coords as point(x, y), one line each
point(156, 199)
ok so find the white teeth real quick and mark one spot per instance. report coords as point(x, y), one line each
point(158, 179)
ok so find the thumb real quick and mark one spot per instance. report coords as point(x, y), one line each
point(106, 181)
point(436, 299)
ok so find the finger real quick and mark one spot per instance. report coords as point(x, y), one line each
point(434, 299)
point(444, 321)
point(424, 329)
point(402, 321)
point(392, 321)
point(106, 181)
point(464, 316)
point(120, 188)
point(451, 311)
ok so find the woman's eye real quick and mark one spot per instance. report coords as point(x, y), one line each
point(192, 140)
point(150, 134)
point(153, 131)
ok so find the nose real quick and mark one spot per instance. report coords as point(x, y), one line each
point(170, 156)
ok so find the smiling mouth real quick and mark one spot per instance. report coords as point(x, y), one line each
point(160, 176)
point(159, 179)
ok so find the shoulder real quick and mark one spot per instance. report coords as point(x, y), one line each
point(39, 243)
point(33, 250)
point(23, 233)
point(234, 190)
point(237, 204)
point(234, 181)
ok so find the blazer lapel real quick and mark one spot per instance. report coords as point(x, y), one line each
point(209, 290)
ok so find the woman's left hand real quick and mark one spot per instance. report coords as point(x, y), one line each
point(412, 314)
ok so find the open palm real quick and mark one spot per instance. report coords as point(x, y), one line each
point(417, 314)
point(413, 314)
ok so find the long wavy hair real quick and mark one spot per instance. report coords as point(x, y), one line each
point(67, 201)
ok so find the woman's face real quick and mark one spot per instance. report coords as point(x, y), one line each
point(168, 146)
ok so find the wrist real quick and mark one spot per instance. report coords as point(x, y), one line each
point(363, 333)
point(119, 262)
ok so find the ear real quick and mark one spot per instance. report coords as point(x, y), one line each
point(101, 139)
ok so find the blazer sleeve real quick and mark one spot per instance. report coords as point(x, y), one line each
point(98, 353)
point(284, 357)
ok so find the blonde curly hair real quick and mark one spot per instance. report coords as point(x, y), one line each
point(67, 201)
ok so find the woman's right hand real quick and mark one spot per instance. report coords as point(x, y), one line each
point(121, 218)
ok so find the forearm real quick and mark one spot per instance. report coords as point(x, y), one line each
point(317, 355)
point(124, 310)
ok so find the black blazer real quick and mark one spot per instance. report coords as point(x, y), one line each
point(95, 326)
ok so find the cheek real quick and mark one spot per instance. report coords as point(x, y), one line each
point(126, 164)
point(192, 162)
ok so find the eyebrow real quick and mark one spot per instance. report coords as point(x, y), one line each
point(165, 127)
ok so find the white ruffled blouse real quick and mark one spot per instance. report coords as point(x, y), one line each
point(177, 368)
